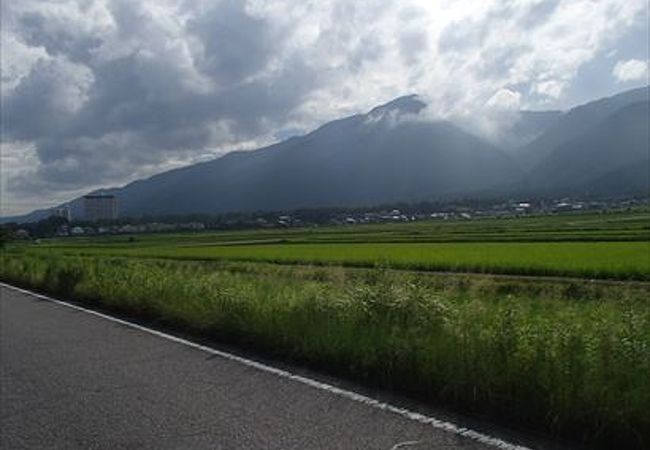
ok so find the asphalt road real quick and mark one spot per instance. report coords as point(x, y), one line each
point(73, 380)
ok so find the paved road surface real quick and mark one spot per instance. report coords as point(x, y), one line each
point(72, 380)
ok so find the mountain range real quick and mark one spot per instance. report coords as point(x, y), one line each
point(394, 153)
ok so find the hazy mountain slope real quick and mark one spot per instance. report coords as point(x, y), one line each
point(633, 178)
point(383, 156)
point(576, 122)
point(509, 130)
point(529, 126)
point(611, 157)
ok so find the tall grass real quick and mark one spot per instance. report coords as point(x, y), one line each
point(568, 358)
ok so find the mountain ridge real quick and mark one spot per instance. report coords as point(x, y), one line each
point(578, 120)
point(388, 154)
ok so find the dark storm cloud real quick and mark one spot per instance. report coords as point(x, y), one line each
point(101, 118)
point(234, 44)
point(45, 100)
point(57, 38)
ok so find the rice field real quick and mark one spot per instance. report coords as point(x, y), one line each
point(613, 260)
point(615, 246)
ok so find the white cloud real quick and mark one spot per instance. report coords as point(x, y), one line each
point(505, 99)
point(16, 61)
point(631, 70)
point(551, 89)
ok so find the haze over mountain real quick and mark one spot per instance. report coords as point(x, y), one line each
point(393, 153)
point(611, 157)
point(509, 130)
point(576, 122)
point(528, 126)
point(379, 157)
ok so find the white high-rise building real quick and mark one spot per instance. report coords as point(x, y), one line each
point(100, 207)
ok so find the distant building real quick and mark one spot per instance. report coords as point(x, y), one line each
point(21, 233)
point(76, 231)
point(63, 230)
point(100, 207)
point(194, 226)
point(62, 211)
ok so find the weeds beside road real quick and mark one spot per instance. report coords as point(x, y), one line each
point(570, 358)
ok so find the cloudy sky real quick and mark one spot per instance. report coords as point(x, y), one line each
point(100, 92)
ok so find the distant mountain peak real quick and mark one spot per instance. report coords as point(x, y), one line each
point(408, 104)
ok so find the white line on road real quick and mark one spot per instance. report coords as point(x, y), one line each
point(404, 444)
point(350, 395)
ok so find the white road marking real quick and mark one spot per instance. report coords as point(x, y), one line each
point(350, 395)
point(404, 444)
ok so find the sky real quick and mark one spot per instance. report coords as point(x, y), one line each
point(97, 93)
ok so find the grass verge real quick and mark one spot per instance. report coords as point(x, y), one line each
point(568, 358)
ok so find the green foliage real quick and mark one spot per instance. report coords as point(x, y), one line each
point(571, 357)
point(47, 226)
point(4, 236)
point(613, 245)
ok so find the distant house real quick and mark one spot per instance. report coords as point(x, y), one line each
point(129, 228)
point(194, 226)
point(284, 221)
point(63, 230)
point(21, 233)
point(562, 206)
